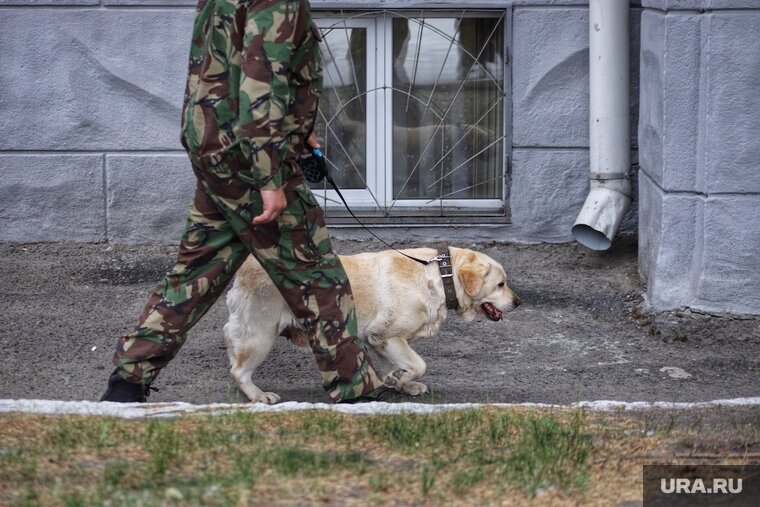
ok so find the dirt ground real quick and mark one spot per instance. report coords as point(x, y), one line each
point(582, 333)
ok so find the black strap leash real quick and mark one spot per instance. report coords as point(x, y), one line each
point(315, 170)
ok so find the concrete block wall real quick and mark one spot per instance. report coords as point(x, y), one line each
point(550, 132)
point(699, 142)
point(89, 131)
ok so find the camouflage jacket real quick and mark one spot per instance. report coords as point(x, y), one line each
point(253, 83)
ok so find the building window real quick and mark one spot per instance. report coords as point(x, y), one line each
point(412, 112)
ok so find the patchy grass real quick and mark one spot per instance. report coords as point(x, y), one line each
point(467, 457)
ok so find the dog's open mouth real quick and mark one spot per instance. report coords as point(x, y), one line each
point(491, 311)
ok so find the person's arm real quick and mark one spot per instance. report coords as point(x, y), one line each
point(274, 201)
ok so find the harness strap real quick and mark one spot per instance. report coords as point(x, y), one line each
point(447, 275)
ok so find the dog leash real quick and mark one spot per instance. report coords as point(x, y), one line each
point(314, 169)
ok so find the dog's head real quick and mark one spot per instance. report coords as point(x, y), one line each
point(483, 284)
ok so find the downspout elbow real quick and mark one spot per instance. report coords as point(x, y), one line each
point(601, 215)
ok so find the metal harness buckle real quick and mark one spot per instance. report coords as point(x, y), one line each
point(446, 269)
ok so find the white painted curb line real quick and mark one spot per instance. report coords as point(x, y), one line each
point(139, 410)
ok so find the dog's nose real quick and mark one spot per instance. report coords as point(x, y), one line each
point(517, 301)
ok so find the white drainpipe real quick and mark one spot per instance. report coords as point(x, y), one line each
point(609, 126)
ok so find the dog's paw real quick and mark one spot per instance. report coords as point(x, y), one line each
point(268, 398)
point(397, 379)
point(415, 388)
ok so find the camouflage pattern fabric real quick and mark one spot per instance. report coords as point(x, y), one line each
point(243, 139)
point(253, 85)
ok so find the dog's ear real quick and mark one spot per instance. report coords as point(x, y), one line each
point(472, 275)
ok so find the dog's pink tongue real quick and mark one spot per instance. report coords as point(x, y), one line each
point(492, 312)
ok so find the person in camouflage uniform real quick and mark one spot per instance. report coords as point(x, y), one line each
point(250, 104)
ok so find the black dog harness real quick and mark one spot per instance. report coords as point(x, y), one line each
point(447, 275)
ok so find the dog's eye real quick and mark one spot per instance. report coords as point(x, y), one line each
point(502, 284)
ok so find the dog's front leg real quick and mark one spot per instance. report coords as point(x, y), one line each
point(410, 367)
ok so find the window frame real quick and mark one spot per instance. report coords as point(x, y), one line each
point(379, 94)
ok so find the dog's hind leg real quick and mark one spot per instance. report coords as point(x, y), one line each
point(410, 367)
point(250, 335)
point(246, 354)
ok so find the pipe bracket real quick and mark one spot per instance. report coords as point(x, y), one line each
point(610, 176)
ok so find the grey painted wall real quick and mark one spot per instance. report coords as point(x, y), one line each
point(89, 134)
point(92, 91)
point(699, 182)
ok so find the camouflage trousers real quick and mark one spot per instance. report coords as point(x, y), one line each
point(294, 250)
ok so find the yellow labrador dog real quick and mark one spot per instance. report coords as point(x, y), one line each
point(396, 298)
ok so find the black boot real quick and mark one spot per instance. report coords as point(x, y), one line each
point(121, 391)
point(378, 394)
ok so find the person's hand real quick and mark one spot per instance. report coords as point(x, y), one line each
point(274, 202)
point(311, 141)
